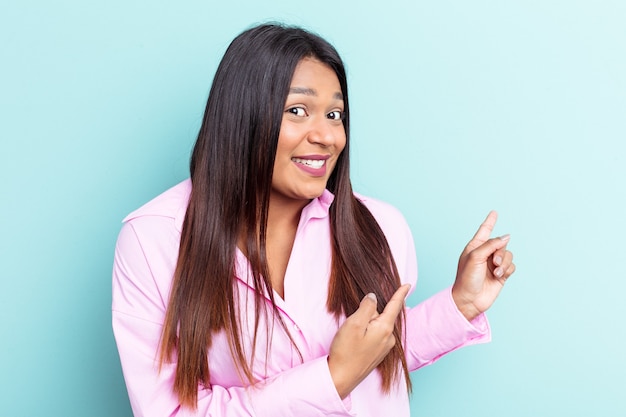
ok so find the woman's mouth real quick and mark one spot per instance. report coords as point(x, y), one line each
point(313, 163)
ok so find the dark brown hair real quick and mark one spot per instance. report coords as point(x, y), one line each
point(231, 174)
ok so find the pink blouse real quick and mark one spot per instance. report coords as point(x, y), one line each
point(145, 258)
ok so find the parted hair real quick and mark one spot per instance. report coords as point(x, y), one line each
point(231, 173)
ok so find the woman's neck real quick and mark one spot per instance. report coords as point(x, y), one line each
point(282, 224)
point(284, 213)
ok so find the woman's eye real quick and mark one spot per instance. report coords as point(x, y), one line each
point(297, 111)
point(336, 115)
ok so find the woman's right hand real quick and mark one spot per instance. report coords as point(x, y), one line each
point(363, 341)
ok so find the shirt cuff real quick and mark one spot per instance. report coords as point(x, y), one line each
point(436, 327)
point(479, 324)
point(307, 389)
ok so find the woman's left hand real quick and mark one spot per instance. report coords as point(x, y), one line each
point(484, 267)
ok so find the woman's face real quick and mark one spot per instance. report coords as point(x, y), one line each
point(312, 135)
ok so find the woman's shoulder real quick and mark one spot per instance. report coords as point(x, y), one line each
point(387, 215)
point(171, 204)
point(146, 253)
point(398, 234)
point(389, 218)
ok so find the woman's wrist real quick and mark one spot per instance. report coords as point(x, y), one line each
point(343, 388)
point(465, 306)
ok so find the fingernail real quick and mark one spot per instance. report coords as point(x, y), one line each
point(505, 237)
point(498, 272)
point(372, 297)
point(497, 260)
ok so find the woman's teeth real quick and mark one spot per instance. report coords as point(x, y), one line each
point(313, 163)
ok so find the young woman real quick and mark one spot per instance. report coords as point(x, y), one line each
point(263, 286)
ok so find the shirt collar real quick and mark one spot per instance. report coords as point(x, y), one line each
point(318, 208)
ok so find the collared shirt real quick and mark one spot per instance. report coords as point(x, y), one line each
point(290, 384)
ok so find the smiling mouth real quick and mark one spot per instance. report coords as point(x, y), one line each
point(313, 163)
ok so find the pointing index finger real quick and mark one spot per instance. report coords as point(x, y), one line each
point(485, 229)
point(396, 303)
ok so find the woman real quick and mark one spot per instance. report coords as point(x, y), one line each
point(263, 286)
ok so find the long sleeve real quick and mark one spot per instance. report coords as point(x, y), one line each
point(436, 327)
point(139, 299)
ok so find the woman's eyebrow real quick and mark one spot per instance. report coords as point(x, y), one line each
point(311, 92)
point(303, 90)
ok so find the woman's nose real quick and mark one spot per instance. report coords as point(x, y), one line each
point(323, 132)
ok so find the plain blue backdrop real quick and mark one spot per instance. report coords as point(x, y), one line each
point(457, 108)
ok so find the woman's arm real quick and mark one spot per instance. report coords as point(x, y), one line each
point(454, 317)
point(139, 298)
point(305, 390)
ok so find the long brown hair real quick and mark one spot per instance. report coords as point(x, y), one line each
point(231, 174)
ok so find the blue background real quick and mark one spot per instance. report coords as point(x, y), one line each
point(458, 107)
